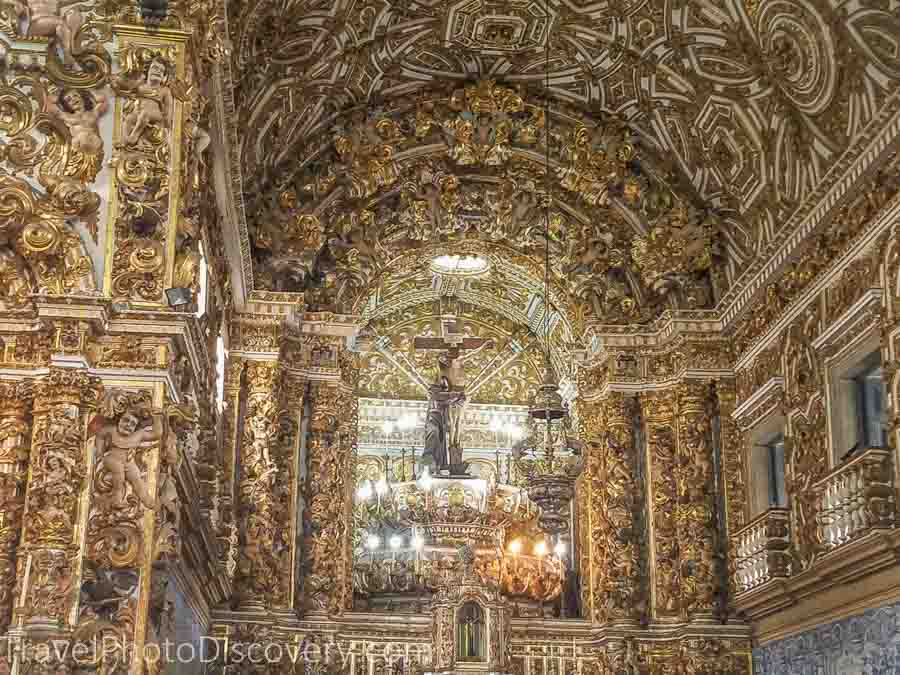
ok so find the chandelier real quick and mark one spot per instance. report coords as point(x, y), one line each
point(407, 535)
point(548, 458)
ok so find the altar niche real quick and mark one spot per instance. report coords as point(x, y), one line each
point(470, 631)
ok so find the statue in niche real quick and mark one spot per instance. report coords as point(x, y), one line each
point(470, 633)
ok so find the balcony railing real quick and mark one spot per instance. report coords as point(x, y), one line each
point(762, 550)
point(856, 499)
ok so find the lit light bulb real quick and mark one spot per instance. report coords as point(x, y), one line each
point(425, 480)
point(540, 549)
point(396, 541)
point(515, 546)
point(372, 542)
point(365, 491)
point(559, 549)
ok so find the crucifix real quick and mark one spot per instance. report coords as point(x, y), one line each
point(452, 343)
point(447, 397)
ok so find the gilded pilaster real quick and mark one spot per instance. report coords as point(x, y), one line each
point(293, 405)
point(258, 575)
point(227, 534)
point(145, 195)
point(659, 414)
point(613, 499)
point(48, 567)
point(680, 458)
point(696, 509)
point(15, 439)
point(327, 560)
point(733, 445)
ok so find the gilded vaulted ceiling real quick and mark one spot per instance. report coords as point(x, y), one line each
point(683, 135)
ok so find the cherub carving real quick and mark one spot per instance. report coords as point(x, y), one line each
point(262, 433)
point(54, 19)
point(16, 280)
point(153, 99)
point(81, 111)
point(116, 446)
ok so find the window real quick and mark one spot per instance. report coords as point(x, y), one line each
point(203, 278)
point(859, 417)
point(870, 407)
point(767, 466)
point(775, 457)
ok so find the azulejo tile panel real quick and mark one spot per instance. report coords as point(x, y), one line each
point(866, 644)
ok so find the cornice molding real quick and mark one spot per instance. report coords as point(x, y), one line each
point(861, 158)
point(887, 217)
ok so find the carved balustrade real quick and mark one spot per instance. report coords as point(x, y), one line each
point(762, 550)
point(855, 499)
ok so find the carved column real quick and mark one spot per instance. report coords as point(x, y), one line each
point(293, 404)
point(327, 522)
point(149, 112)
point(15, 439)
point(48, 566)
point(613, 502)
point(658, 412)
point(682, 495)
point(732, 443)
point(227, 534)
point(696, 514)
point(257, 579)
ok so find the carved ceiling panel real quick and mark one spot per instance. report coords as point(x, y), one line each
point(360, 127)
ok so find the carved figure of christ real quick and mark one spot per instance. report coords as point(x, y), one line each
point(448, 394)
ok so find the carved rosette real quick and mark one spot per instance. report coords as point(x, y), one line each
point(257, 575)
point(47, 565)
point(15, 439)
point(327, 522)
point(614, 498)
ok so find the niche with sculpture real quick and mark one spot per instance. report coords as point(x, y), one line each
point(470, 625)
point(470, 630)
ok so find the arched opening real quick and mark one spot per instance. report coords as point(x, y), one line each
point(470, 630)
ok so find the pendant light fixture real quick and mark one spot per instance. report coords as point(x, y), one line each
point(548, 458)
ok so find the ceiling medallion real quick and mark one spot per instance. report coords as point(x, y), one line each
point(498, 26)
point(460, 265)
